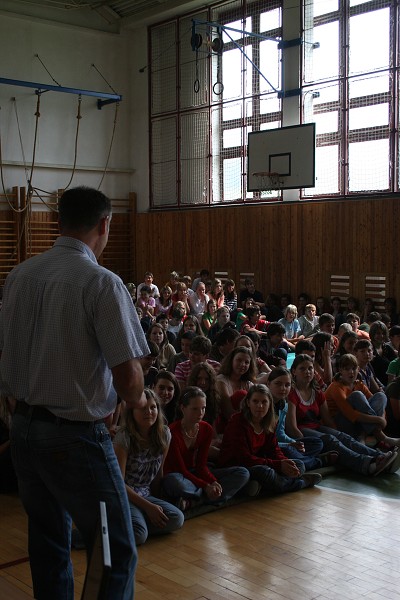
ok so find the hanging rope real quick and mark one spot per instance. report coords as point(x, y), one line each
point(111, 144)
point(78, 117)
point(10, 204)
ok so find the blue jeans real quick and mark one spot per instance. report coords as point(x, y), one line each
point(232, 479)
point(352, 454)
point(143, 527)
point(374, 406)
point(312, 447)
point(64, 470)
point(274, 482)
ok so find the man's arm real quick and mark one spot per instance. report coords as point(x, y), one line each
point(128, 383)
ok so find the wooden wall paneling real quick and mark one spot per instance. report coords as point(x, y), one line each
point(9, 228)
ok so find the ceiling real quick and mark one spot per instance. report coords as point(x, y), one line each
point(103, 15)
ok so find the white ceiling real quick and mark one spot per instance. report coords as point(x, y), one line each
point(104, 15)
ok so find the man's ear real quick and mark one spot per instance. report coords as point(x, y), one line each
point(103, 225)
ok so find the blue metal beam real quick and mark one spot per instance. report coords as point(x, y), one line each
point(40, 87)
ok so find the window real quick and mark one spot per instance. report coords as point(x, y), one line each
point(205, 102)
point(202, 112)
point(349, 82)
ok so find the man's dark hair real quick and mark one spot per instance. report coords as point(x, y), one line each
point(225, 336)
point(81, 208)
point(303, 345)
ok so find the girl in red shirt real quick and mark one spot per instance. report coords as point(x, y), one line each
point(188, 478)
point(249, 440)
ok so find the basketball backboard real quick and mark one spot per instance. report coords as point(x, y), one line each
point(287, 151)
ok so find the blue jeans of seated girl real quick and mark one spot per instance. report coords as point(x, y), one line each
point(232, 479)
point(312, 447)
point(369, 406)
point(64, 470)
point(274, 482)
point(352, 453)
point(143, 527)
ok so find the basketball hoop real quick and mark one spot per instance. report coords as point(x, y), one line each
point(269, 180)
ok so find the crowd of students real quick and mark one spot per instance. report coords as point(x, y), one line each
point(229, 412)
point(225, 414)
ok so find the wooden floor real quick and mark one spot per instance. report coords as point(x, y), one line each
point(315, 544)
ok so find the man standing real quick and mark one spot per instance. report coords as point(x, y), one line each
point(70, 342)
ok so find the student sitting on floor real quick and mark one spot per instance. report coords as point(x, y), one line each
point(200, 348)
point(308, 449)
point(188, 479)
point(249, 440)
point(141, 446)
point(308, 414)
point(364, 353)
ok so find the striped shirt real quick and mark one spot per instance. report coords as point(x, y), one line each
point(65, 323)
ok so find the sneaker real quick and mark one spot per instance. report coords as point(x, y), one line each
point(252, 488)
point(311, 479)
point(329, 459)
point(383, 462)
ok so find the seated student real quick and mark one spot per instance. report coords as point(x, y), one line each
point(208, 318)
point(308, 414)
point(167, 390)
point(324, 348)
point(284, 301)
point(187, 280)
point(343, 328)
point(8, 478)
point(141, 446)
point(230, 297)
point(308, 449)
point(253, 322)
point(353, 407)
point(222, 322)
point(291, 325)
point(224, 343)
point(272, 310)
point(307, 347)
point(163, 320)
point(199, 300)
point(188, 479)
point(186, 339)
point(354, 321)
point(158, 335)
point(217, 292)
point(302, 300)
point(393, 408)
point(309, 321)
point(164, 301)
point(322, 305)
point(274, 348)
point(173, 281)
point(353, 306)
point(337, 313)
point(390, 305)
point(147, 363)
point(238, 372)
point(203, 276)
point(326, 324)
point(247, 341)
point(181, 295)
point(382, 350)
point(131, 287)
point(146, 302)
point(394, 338)
point(204, 377)
point(200, 348)
point(176, 321)
point(241, 312)
point(363, 352)
point(368, 308)
point(346, 346)
point(249, 440)
point(190, 323)
point(250, 291)
point(393, 369)
point(148, 282)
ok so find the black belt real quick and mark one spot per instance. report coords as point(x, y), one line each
point(40, 413)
